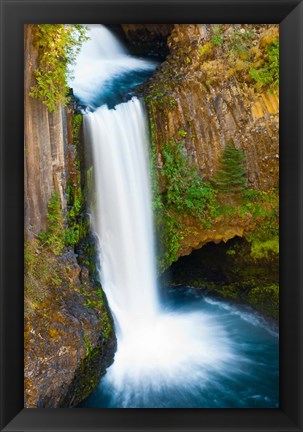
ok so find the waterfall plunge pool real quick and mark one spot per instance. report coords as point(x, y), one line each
point(214, 355)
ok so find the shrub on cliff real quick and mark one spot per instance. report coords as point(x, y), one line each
point(185, 189)
point(58, 46)
point(267, 76)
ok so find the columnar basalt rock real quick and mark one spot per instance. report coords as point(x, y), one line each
point(44, 141)
point(203, 96)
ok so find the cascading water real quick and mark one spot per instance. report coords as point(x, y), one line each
point(188, 351)
point(122, 218)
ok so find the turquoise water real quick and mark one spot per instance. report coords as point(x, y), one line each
point(250, 379)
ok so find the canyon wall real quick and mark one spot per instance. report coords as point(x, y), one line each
point(205, 90)
point(45, 138)
point(216, 84)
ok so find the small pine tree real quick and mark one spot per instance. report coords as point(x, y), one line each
point(231, 176)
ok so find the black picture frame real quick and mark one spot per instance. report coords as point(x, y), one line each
point(14, 14)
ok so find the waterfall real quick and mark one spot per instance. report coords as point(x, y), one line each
point(122, 217)
point(167, 355)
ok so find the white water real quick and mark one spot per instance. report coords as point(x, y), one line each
point(174, 352)
point(101, 60)
point(122, 218)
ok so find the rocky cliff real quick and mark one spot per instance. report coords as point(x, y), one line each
point(68, 331)
point(204, 89)
point(45, 137)
point(218, 83)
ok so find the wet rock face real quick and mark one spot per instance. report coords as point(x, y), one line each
point(69, 337)
point(44, 140)
point(204, 90)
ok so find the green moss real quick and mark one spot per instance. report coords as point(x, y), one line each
point(95, 299)
point(229, 271)
point(77, 122)
point(182, 133)
point(228, 291)
point(266, 299)
point(265, 249)
point(88, 345)
point(91, 368)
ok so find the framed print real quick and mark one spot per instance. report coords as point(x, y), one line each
point(151, 237)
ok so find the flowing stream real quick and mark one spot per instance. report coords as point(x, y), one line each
point(187, 350)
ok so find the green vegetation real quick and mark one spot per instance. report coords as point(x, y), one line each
point(77, 223)
point(265, 299)
point(168, 229)
point(88, 346)
point(268, 75)
point(77, 122)
point(40, 272)
point(185, 195)
point(160, 94)
point(185, 190)
point(58, 46)
point(253, 58)
point(241, 43)
point(231, 176)
point(96, 300)
point(264, 207)
point(205, 49)
point(265, 249)
point(217, 36)
point(54, 236)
